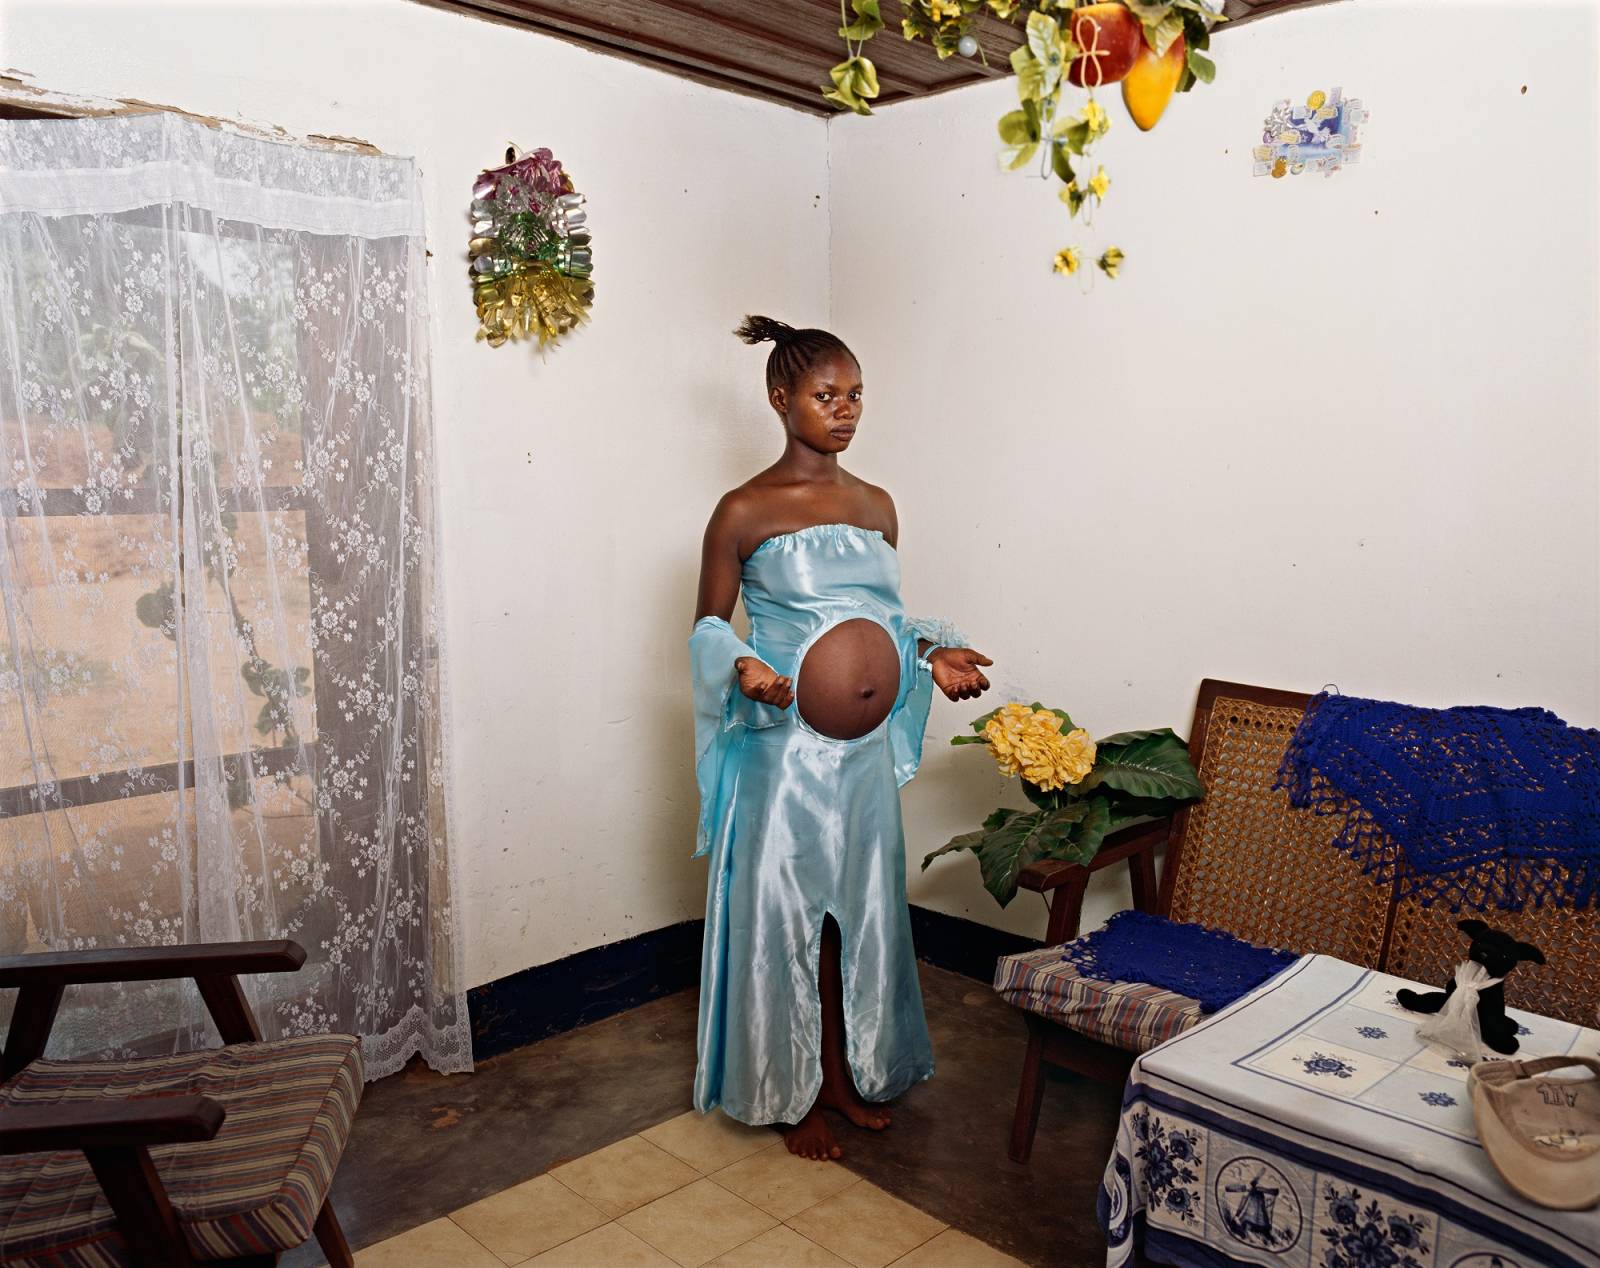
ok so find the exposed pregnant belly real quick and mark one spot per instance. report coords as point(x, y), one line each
point(849, 680)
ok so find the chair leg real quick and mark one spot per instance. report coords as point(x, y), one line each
point(1030, 1095)
point(144, 1214)
point(331, 1237)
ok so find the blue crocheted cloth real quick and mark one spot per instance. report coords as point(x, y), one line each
point(1205, 964)
point(1478, 806)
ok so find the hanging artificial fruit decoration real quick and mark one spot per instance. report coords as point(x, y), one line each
point(530, 252)
point(1154, 48)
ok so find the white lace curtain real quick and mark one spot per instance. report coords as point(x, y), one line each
point(220, 708)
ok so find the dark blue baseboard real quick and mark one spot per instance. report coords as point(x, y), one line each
point(592, 985)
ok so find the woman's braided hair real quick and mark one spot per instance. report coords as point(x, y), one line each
point(794, 351)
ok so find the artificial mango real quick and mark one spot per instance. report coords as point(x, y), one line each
point(1110, 39)
point(1151, 81)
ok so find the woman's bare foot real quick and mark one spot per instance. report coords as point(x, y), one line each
point(812, 1138)
point(847, 1101)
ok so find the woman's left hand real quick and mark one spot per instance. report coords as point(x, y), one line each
point(956, 672)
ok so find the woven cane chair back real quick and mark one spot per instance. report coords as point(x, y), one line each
point(1426, 947)
point(1244, 860)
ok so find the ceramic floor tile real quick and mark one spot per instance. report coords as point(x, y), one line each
point(866, 1226)
point(782, 1184)
point(528, 1218)
point(709, 1142)
point(695, 1224)
point(609, 1246)
point(780, 1247)
point(953, 1249)
point(625, 1175)
point(439, 1244)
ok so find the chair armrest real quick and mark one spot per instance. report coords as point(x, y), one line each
point(109, 1123)
point(215, 968)
point(1136, 844)
point(145, 964)
point(1048, 874)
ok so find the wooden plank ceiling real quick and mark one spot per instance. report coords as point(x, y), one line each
point(779, 50)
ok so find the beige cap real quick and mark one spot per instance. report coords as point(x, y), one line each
point(1542, 1134)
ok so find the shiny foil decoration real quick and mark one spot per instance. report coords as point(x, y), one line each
point(531, 260)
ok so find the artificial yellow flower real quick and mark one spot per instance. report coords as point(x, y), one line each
point(1099, 183)
point(938, 10)
point(1028, 742)
point(1077, 755)
point(1096, 117)
point(1003, 9)
point(1067, 260)
point(1111, 261)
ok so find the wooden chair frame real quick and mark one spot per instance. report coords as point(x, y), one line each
point(116, 1134)
point(1049, 1042)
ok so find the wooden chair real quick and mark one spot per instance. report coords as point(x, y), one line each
point(1245, 861)
point(222, 1154)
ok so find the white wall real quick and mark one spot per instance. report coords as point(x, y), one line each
point(574, 489)
point(1321, 430)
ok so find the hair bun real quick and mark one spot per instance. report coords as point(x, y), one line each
point(764, 330)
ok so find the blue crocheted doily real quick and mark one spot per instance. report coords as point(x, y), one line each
point(1205, 964)
point(1476, 805)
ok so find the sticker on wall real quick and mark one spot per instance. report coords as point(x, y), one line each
point(532, 263)
point(1322, 135)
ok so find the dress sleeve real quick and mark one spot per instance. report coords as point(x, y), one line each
point(910, 723)
point(720, 709)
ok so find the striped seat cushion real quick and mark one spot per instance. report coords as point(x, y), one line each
point(256, 1187)
point(1131, 1015)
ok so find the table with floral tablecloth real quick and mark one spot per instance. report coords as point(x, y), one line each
point(1307, 1126)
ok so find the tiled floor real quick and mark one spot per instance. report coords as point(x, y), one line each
point(430, 1151)
point(692, 1191)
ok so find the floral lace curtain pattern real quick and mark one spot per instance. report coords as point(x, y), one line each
point(220, 707)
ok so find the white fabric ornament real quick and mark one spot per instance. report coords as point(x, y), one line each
point(1455, 1025)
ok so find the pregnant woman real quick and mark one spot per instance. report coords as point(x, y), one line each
point(809, 996)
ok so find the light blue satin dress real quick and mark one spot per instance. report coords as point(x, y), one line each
point(799, 825)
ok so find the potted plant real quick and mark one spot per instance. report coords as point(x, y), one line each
point(1081, 789)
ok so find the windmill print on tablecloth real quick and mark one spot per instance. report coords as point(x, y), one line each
point(1258, 1205)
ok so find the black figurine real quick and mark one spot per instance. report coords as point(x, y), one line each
point(1498, 953)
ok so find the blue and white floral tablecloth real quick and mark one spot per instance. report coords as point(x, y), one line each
point(1306, 1126)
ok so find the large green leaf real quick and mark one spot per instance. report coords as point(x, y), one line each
point(1040, 798)
point(1203, 68)
point(869, 21)
point(1092, 828)
point(1129, 737)
point(1021, 840)
point(1010, 840)
point(1030, 74)
point(1016, 127)
point(966, 841)
point(1061, 164)
point(1015, 156)
point(1019, 129)
point(1049, 50)
point(1159, 35)
point(984, 721)
point(1157, 766)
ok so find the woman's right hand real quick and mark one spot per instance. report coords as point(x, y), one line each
point(758, 681)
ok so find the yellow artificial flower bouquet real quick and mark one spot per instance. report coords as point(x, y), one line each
point(1081, 790)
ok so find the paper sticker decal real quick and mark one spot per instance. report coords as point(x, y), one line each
point(1322, 135)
